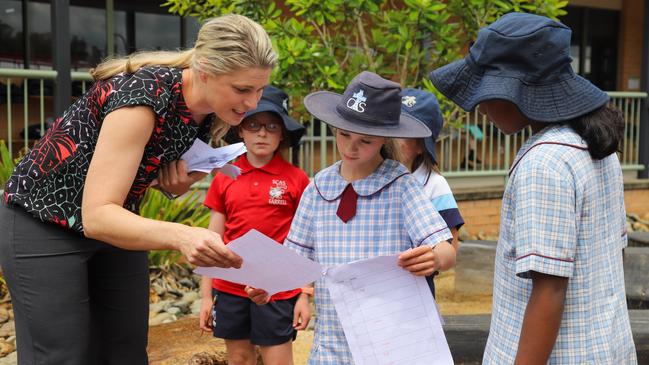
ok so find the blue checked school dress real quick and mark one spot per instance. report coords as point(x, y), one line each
point(563, 214)
point(393, 214)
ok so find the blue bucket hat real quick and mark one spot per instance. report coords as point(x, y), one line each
point(275, 101)
point(524, 59)
point(423, 105)
point(371, 105)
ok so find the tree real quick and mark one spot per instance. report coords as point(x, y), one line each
point(322, 44)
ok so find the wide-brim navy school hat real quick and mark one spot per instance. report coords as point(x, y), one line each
point(423, 105)
point(370, 105)
point(275, 101)
point(524, 59)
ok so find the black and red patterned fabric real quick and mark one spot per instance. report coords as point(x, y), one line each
point(49, 181)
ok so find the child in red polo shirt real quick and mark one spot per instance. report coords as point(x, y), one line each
point(264, 197)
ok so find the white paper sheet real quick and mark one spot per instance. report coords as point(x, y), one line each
point(266, 265)
point(388, 314)
point(202, 157)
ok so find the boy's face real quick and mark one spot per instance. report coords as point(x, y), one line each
point(358, 149)
point(262, 133)
point(504, 114)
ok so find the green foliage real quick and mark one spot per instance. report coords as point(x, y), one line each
point(7, 164)
point(322, 44)
point(187, 209)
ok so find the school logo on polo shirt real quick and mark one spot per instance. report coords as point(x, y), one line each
point(276, 192)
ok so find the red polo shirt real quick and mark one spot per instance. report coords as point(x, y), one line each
point(263, 198)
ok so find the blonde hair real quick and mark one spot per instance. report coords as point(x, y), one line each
point(224, 44)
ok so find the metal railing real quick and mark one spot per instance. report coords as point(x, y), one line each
point(21, 79)
point(475, 149)
point(478, 148)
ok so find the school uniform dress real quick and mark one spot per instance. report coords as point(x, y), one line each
point(437, 189)
point(563, 214)
point(392, 215)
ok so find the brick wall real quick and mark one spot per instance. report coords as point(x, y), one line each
point(630, 51)
point(484, 215)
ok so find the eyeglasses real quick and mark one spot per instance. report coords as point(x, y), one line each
point(255, 126)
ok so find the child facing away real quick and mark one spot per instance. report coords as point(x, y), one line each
point(559, 293)
point(365, 205)
point(264, 197)
point(418, 155)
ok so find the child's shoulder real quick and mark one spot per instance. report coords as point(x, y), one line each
point(557, 148)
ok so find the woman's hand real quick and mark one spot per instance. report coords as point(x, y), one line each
point(205, 316)
point(203, 247)
point(301, 312)
point(173, 177)
point(258, 296)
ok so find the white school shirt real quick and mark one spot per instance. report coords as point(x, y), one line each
point(437, 189)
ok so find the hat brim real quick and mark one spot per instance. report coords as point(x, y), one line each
point(294, 130)
point(322, 105)
point(429, 144)
point(558, 101)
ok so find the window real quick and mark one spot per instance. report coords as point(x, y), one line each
point(594, 44)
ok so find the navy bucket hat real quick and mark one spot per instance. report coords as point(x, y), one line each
point(524, 59)
point(275, 101)
point(371, 105)
point(423, 105)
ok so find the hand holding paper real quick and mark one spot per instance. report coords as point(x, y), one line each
point(202, 157)
point(266, 265)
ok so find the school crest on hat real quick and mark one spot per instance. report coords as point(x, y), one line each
point(370, 105)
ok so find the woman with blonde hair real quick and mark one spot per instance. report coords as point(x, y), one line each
point(72, 246)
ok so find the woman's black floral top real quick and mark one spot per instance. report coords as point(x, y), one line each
point(49, 180)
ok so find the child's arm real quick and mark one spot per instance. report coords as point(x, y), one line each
point(217, 224)
point(302, 310)
point(424, 260)
point(204, 320)
point(542, 318)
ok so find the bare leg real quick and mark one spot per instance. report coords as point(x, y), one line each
point(241, 352)
point(278, 354)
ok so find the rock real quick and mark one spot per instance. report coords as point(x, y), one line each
point(11, 359)
point(4, 315)
point(203, 358)
point(8, 329)
point(174, 310)
point(196, 306)
point(638, 226)
point(188, 283)
point(191, 296)
point(464, 234)
point(6, 348)
point(158, 288)
point(159, 318)
point(160, 306)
